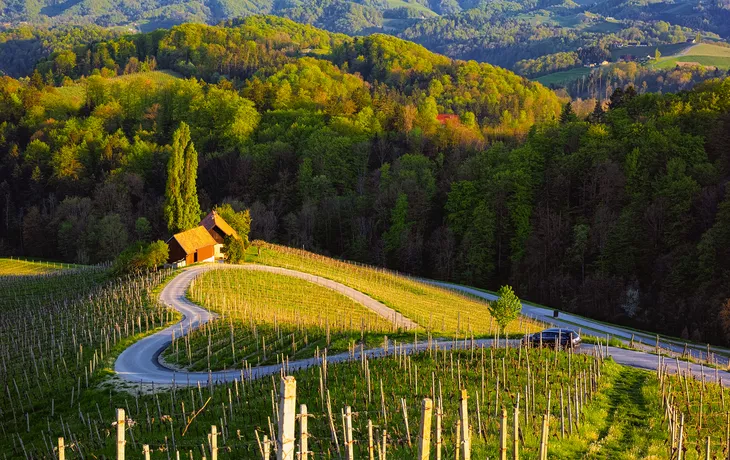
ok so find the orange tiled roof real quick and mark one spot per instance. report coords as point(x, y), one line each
point(194, 239)
point(213, 219)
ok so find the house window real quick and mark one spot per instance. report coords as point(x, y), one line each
point(195, 256)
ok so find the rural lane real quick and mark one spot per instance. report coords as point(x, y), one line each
point(593, 327)
point(140, 362)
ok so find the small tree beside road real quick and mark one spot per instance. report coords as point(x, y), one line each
point(506, 308)
point(234, 249)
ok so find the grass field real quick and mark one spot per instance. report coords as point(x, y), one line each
point(393, 4)
point(20, 267)
point(439, 311)
point(641, 51)
point(604, 26)
point(264, 316)
point(564, 76)
point(705, 54)
point(722, 63)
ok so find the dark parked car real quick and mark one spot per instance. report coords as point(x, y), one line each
point(550, 337)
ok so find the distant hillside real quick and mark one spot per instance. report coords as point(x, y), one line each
point(501, 32)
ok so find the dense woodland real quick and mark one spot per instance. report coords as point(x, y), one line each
point(602, 81)
point(333, 143)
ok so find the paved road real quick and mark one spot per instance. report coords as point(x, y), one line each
point(140, 362)
point(596, 328)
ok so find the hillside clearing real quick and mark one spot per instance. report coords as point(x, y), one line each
point(557, 78)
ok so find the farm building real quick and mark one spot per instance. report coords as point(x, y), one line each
point(219, 230)
point(191, 246)
point(443, 118)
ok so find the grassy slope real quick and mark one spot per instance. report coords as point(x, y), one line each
point(16, 267)
point(259, 308)
point(641, 51)
point(705, 54)
point(439, 310)
point(564, 76)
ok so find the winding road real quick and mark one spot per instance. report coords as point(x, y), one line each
point(140, 363)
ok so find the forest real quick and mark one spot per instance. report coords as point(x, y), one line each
point(336, 145)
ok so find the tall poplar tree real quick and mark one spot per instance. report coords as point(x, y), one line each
point(191, 214)
point(182, 210)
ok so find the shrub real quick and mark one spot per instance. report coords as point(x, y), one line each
point(140, 257)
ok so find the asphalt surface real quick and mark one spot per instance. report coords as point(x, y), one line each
point(140, 362)
point(593, 327)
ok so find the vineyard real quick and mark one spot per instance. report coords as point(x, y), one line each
point(20, 267)
point(264, 316)
point(456, 397)
point(57, 332)
point(437, 310)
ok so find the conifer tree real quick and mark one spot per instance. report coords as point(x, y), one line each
point(597, 115)
point(173, 197)
point(182, 210)
point(191, 214)
point(567, 115)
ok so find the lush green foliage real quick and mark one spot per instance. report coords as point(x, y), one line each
point(234, 249)
point(182, 210)
point(85, 160)
point(240, 221)
point(140, 257)
point(506, 308)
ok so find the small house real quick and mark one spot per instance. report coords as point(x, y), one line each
point(191, 246)
point(444, 118)
point(219, 230)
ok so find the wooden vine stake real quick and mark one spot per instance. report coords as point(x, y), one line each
point(405, 418)
point(439, 442)
point(287, 416)
point(680, 438)
point(61, 449)
point(303, 434)
point(146, 451)
point(464, 419)
point(214, 442)
point(544, 438)
point(516, 431)
point(424, 435)
point(457, 444)
point(349, 443)
point(120, 433)
point(371, 446)
point(503, 436)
